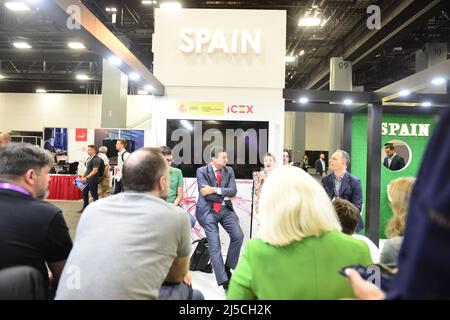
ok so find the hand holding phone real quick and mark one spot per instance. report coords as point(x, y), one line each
point(379, 274)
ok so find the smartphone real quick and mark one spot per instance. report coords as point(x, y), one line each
point(359, 268)
point(385, 276)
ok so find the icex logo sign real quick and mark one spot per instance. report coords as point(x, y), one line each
point(240, 109)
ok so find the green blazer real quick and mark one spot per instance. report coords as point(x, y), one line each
point(307, 269)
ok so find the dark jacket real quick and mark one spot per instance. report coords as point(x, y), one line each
point(319, 168)
point(207, 177)
point(396, 164)
point(424, 260)
point(351, 190)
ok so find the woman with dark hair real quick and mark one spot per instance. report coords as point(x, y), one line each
point(287, 157)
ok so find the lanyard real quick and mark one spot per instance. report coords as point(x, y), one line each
point(9, 186)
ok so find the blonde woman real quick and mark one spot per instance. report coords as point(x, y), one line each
point(300, 248)
point(259, 178)
point(399, 193)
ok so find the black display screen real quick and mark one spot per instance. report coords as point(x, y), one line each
point(245, 142)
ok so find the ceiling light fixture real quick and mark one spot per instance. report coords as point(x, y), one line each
point(83, 77)
point(41, 91)
point(438, 81)
point(309, 22)
point(21, 45)
point(348, 102)
point(289, 59)
point(17, 6)
point(313, 17)
point(76, 45)
point(404, 93)
point(149, 87)
point(134, 76)
point(304, 100)
point(2, 76)
point(301, 53)
point(426, 104)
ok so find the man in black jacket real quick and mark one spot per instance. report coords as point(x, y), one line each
point(392, 161)
point(321, 165)
point(32, 232)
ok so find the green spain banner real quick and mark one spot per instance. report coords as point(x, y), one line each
point(410, 133)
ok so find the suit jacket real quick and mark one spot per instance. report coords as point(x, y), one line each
point(396, 164)
point(207, 177)
point(350, 190)
point(319, 168)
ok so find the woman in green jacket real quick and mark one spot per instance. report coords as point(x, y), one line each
point(300, 249)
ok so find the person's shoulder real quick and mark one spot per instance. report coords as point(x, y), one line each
point(363, 238)
point(393, 242)
point(203, 168)
point(344, 239)
point(354, 178)
point(43, 208)
point(228, 169)
point(328, 177)
point(256, 245)
point(176, 170)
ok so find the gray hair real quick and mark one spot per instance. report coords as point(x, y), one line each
point(103, 149)
point(17, 158)
point(345, 156)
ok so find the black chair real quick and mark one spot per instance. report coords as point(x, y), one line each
point(73, 168)
point(21, 283)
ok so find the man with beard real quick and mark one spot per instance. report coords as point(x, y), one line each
point(32, 232)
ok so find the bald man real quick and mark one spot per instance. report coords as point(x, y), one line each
point(148, 239)
point(5, 138)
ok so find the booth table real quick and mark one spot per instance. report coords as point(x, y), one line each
point(61, 188)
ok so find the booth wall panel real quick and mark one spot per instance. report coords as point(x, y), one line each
point(358, 162)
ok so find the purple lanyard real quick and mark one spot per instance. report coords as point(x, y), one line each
point(9, 186)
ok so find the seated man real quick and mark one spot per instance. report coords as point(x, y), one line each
point(32, 232)
point(348, 216)
point(176, 183)
point(129, 244)
point(341, 184)
point(216, 184)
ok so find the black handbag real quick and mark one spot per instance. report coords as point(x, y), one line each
point(200, 259)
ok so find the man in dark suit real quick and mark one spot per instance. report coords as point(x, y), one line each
point(216, 185)
point(392, 161)
point(341, 184)
point(321, 166)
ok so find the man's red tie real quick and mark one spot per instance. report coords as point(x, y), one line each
point(217, 205)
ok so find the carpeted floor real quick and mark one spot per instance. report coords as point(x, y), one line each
point(205, 282)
